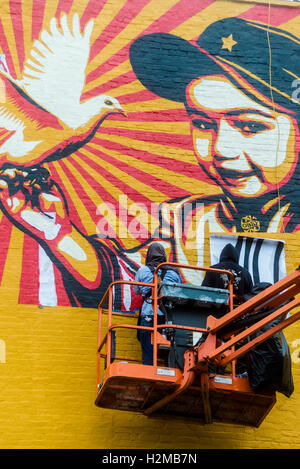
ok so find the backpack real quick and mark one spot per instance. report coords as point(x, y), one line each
point(269, 363)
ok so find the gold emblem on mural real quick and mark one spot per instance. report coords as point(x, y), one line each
point(250, 224)
point(228, 42)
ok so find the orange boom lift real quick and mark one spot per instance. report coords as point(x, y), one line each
point(196, 391)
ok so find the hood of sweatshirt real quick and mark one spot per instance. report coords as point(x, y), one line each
point(229, 253)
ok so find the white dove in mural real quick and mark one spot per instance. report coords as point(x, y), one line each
point(42, 117)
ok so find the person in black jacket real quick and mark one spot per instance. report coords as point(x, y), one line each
point(242, 283)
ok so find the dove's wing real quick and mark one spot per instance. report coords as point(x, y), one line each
point(54, 74)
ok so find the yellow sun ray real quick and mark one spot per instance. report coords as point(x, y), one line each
point(10, 284)
point(292, 26)
point(113, 190)
point(78, 6)
point(49, 13)
point(9, 34)
point(145, 189)
point(172, 152)
point(187, 30)
point(117, 71)
point(182, 128)
point(108, 12)
point(100, 203)
point(180, 181)
point(27, 25)
point(147, 16)
point(83, 213)
point(195, 25)
point(159, 104)
point(129, 88)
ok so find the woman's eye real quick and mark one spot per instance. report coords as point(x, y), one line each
point(251, 127)
point(108, 102)
point(202, 124)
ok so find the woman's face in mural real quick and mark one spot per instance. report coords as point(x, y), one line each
point(247, 147)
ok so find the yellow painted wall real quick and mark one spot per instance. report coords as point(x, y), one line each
point(48, 354)
point(48, 385)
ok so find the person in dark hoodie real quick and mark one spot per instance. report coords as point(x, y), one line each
point(242, 283)
point(155, 256)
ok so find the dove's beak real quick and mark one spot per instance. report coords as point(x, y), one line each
point(123, 113)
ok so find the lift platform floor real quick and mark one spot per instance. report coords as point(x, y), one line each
point(136, 387)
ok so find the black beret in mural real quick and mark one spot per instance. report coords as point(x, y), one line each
point(261, 54)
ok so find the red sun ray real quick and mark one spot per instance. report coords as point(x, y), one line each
point(172, 18)
point(63, 6)
point(152, 158)
point(144, 95)
point(88, 202)
point(162, 115)
point(29, 282)
point(121, 185)
point(123, 188)
point(121, 80)
point(166, 188)
point(15, 8)
point(92, 10)
point(119, 22)
point(5, 232)
point(277, 15)
point(74, 216)
point(162, 138)
point(6, 51)
point(38, 9)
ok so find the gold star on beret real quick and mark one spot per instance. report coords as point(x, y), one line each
point(228, 42)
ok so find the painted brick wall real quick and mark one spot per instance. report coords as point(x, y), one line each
point(48, 333)
point(48, 385)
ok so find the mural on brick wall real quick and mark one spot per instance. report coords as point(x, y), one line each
point(133, 120)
